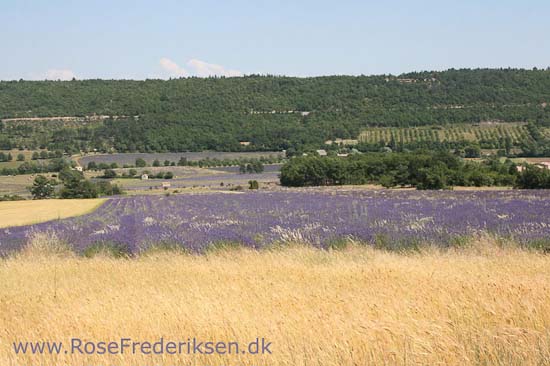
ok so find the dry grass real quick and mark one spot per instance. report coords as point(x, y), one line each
point(17, 213)
point(480, 306)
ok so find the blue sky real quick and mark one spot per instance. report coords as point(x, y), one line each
point(164, 38)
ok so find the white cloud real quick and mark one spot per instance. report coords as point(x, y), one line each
point(205, 69)
point(63, 74)
point(172, 69)
point(197, 68)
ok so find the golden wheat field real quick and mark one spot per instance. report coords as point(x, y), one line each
point(15, 213)
point(484, 305)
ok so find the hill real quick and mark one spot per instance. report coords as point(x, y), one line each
point(269, 112)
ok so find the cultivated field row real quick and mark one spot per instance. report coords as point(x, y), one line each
point(491, 133)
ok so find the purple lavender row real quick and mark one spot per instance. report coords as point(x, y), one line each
point(257, 219)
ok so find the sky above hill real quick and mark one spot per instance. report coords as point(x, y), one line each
point(138, 39)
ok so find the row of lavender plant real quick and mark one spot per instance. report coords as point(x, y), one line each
point(257, 219)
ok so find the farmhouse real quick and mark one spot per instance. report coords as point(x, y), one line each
point(78, 168)
point(144, 176)
point(322, 152)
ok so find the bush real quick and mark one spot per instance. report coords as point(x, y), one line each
point(140, 163)
point(107, 249)
point(109, 174)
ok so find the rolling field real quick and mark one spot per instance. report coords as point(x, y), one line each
point(484, 305)
point(480, 133)
point(192, 177)
point(19, 213)
point(17, 184)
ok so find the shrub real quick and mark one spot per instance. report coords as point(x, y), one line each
point(107, 249)
point(140, 163)
point(109, 174)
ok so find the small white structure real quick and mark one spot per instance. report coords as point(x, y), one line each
point(322, 152)
point(244, 143)
point(305, 114)
point(520, 168)
point(342, 155)
point(78, 168)
point(342, 142)
point(144, 176)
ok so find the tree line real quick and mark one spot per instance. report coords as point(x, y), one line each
point(266, 112)
point(422, 170)
point(71, 184)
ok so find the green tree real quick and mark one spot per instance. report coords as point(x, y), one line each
point(472, 151)
point(109, 174)
point(75, 186)
point(42, 188)
point(533, 177)
point(140, 163)
point(182, 161)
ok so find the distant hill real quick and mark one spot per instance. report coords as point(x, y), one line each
point(259, 112)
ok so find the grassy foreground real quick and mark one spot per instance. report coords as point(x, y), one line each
point(17, 213)
point(477, 306)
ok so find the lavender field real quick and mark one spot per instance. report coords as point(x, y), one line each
point(130, 158)
point(319, 218)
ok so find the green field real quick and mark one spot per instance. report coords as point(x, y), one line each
point(490, 135)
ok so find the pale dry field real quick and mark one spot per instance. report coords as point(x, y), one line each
point(17, 213)
point(479, 306)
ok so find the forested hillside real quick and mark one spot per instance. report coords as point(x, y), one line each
point(271, 113)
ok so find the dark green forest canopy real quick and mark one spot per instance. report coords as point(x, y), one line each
point(270, 112)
